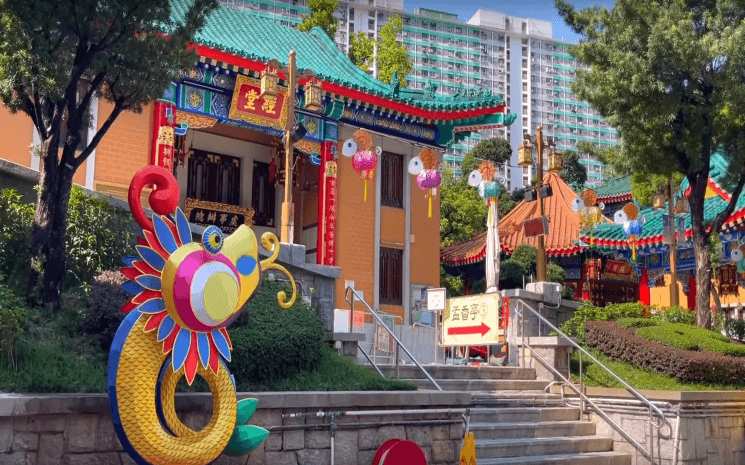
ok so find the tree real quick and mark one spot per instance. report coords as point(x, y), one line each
point(668, 75)
point(362, 50)
point(57, 55)
point(572, 171)
point(644, 186)
point(321, 15)
point(392, 54)
point(496, 150)
point(462, 211)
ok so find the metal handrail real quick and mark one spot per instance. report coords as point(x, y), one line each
point(380, 320)
point(580, 391)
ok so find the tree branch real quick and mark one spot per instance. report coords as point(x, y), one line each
point(95, 84)
point(118, 108)
point(722, 216)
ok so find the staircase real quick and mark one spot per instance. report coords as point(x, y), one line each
point(515, 421)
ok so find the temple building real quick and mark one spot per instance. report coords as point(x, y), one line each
point(221, 129)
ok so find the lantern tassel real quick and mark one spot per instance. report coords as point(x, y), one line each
point(633, 248)
point(365, 190)
point(489, 218)
point(590, 237)
point(430, 206)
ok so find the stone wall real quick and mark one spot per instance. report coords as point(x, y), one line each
point(75, 429)
point(711, 429)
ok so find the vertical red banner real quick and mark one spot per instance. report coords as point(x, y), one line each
point(164, 121)
point(327, 206)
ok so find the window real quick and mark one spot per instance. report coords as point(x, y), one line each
point(392, 180)
point(262, 195)
point(391, 276)
point(214, 178)
point(371, 24)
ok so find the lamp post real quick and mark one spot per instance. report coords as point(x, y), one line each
point(293, 132)
point(525, 158)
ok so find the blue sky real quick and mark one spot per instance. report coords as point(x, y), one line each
point(539, 9)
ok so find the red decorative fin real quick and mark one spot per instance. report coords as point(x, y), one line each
point(192, 360)
point(145, 268)
point(131, 273)
point(227, 337)
point(214, 355)
point(142, 241)
point(171, 339)
point(155, 245)
point(129, 306)
point(146, 295)
point(154, 321)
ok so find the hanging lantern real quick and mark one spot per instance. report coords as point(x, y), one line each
point(658, 201)
point(428, 174)
point(269, 83)
point(525, 152)
point(313, 96)
point(364, 157)
point(681, 206)
point(554, 161)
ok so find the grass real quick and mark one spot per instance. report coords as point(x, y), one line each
point(638, 378)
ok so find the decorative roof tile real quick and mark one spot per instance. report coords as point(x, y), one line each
point(614, 190)
point(245, 34)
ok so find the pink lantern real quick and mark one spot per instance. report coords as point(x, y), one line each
point(428, 176)
point(364, 159)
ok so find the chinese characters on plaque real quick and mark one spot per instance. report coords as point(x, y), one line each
point(226, 217)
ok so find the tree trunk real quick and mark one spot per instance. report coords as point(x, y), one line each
point(703, 263)
point(50, 225)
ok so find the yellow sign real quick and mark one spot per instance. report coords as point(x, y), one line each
point(471, 320)
point(468, 452)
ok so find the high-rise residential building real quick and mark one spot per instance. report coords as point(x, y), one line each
point(517, 58)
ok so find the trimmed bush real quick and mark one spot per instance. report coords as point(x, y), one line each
point(272, 343)
point(575, 326)
point(688, 366)
point(104, 315)
point(637, 322)
point(688, 337)
point(676, 315)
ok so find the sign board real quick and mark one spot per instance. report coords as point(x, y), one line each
point(226, 217)
point(535, 227)
point(436, 299)
point(248, 105)
point(471, 320)
point(383, 337)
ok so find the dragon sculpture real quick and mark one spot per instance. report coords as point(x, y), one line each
point(185, 295)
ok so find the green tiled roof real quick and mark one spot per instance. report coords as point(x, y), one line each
point(614, 187)
point(244, 33)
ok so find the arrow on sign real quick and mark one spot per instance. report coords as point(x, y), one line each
point(483, 329)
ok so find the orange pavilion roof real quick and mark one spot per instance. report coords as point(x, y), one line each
point(564, 227)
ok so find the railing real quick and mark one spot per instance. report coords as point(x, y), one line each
point(355, 296)
point(654, 411)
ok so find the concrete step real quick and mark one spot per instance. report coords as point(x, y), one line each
point(507, 398)
point(460, 372)
point(483, 384)
point(588, 458)
point(524, 414)
point(545, 429)
point(520, 447)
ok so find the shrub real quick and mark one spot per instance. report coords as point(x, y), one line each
point(13, 316)
point(511, 274)
point(676, 315)
point(637, 322)
point(526, 255)
point(98, 236)
point(575, 326)
point(15, 237)
point(270, 342)
point(688, 337)
point(103, 315)
point(688, 366)
point(735, 329)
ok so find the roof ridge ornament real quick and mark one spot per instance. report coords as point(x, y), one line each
point(430, 89)
point(395, 85)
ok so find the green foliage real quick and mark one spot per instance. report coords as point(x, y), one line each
point(13, 315)
point(668, 75)
point(322, 15)
point(511, 274)
point(362, 50)
point(392, 54)
point(462, 211)
point(453, 284)
point(735, 329)
point(15, 236)
point(98, 236)
point(496, 150)
point(572, 171)
point(526, 254)
point(645, 185)
point(271, 343)
point(104, 315)
point(555, 273)
point(676, 315)
point(689, 337)
point(637, 322)
point(333, 373)
point(575, 326)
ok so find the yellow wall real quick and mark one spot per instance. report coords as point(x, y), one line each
point(17, 134)
point(660, 296)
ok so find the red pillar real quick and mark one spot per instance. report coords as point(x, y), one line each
point(327, 206)
point(644, 287)
point(164, 121)
point(692, 293)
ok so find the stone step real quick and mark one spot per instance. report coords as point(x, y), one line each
point(588, 458)
point(520, 447)
point(507, 398)
point(524, 414)
point(460, 372)
point(483, 384)
point(489, 430)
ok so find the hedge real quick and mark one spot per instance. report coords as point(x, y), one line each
point(688, 366)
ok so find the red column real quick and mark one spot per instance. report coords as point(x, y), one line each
point(644, 286)
point(692, 293)
point(327, 206)
point(164, 120)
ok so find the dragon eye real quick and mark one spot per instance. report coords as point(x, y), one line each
point(212, 239)
point(578, 204)
point(415, 166)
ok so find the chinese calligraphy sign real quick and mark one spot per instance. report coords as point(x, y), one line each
point(248, 105)
point(226, 217)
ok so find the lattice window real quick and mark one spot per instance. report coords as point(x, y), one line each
point(391, 276)
point(392, 180)
point(214, 178)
